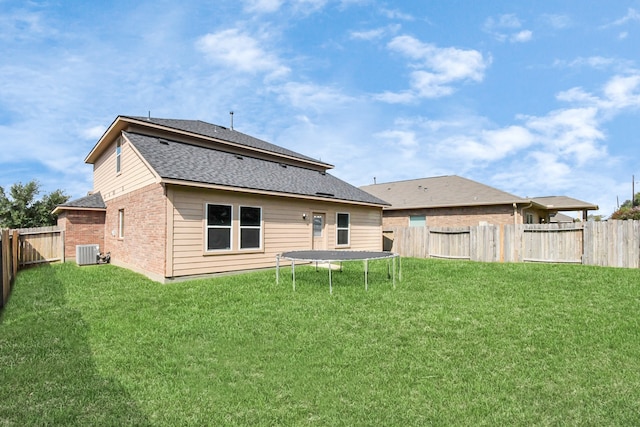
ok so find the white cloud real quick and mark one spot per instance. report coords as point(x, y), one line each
point(508, 21)
point(436, 69)
point(368, 35)
point(94, 132)
point(597, 62)
point(573, 132)
point(310, 96)
point(241, 52)
point(404, 140)
point(558, 22)
point(522, 36)
point(262, 6)
point(632, 15)
point(488, 145)
point(623, 91)
point(507, 27)
point(396, 14)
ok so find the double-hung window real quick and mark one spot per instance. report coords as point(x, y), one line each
point(250, 227)
point(219, 227)
point(121, 224)
point(342, 229)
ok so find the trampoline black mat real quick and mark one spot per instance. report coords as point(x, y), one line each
point(316, 255)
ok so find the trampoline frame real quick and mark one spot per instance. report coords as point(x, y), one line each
point(325, 256)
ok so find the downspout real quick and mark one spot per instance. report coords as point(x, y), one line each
point(515, 227)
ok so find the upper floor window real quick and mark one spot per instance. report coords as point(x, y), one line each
point(118, 156)
point(342, 229)
point(218, 227)
point(250, 227)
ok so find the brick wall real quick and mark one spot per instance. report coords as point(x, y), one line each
point(143, 245)
point(81, 227)
point(454, 217)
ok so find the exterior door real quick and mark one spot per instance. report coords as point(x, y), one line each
point(319, 231)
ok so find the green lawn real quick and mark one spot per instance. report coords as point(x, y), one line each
point(456, 343)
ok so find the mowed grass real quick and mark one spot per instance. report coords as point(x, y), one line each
point(456, 343)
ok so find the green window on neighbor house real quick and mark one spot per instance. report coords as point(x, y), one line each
point(218, 227)
point(342, 229)
point(417, 221)
point(250, 227)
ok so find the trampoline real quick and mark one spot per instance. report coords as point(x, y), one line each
point(329, 257)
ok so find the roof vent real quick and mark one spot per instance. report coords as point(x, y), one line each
point(320, 193)
point(239, 157)
point(283, 165)
point(163, 142)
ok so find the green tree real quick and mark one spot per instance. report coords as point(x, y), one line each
point(21, 209)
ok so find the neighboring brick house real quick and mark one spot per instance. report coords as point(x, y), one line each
point(454, 201)
point(180, 198)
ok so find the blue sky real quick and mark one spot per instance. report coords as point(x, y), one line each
point(536, 98)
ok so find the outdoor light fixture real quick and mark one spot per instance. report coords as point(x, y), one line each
point(304, 216)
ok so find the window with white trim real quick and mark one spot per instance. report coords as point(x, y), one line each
point(121, 224)
point(118, 156)
point(218, 227)
point(250, 227)
point(342, 229)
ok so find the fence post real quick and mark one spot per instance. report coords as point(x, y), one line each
point(15, 256)
point(6, 266)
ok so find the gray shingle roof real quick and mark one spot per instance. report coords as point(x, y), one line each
point(185, 162)
point(563, 203)
point(92, 201)
point(220, 132)
point(441, 191)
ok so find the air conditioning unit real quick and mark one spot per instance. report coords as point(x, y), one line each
point(87, 254)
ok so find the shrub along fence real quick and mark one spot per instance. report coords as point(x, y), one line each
point(25, 247)
point(606, 243)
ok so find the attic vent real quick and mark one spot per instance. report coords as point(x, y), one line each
point(239, 157)
point(320, 193)
point(163, 142)
point(322, 173)
point(283, 165)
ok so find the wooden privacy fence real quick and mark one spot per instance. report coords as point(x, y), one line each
point(24, 247)
point(610, 243)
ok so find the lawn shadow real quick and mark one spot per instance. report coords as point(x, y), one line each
point(49, 376)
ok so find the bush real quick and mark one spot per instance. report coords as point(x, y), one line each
point(627, 213)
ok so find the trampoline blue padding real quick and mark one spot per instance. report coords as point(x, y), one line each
point(324, 256)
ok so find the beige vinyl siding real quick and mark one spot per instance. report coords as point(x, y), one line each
point(284, 229)
point(134, 173)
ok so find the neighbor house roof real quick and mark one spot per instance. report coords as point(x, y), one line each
point(91, 202)
point(564, 203)
point(440, 191)
point(186, 164)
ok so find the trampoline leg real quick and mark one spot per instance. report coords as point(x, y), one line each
point(330, 284)
point(366, 275)
point(394, 273)
point(293, 274)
